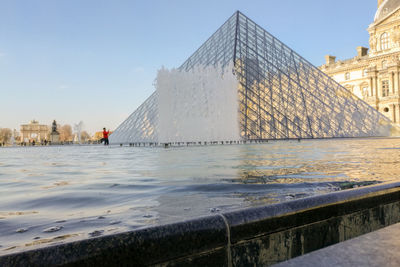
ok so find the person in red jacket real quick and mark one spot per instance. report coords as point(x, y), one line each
point(105, 136)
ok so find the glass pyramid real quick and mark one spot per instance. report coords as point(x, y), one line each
point(281, 95)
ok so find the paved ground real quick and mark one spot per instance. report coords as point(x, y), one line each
point(380, 248)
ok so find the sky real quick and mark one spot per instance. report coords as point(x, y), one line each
point(95, 61)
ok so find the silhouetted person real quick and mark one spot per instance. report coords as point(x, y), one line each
point(105, 136)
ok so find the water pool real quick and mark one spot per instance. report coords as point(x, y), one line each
point(58, 194)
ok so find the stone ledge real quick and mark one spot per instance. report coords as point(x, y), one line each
point(184, 241)
point(257, 236)
point(251, 222)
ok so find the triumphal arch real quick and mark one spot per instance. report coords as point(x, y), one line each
point(33, 131)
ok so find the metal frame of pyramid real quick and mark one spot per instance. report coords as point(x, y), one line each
point(281, 94)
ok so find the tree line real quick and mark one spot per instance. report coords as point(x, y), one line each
point(5, 135)
point(65, 131)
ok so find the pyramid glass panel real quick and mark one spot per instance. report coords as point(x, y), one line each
point(140, 126)
point(281, 95)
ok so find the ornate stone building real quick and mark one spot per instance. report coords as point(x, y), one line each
point(374, 75)
point(34, 131)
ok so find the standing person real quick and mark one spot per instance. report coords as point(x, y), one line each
point(105, 136)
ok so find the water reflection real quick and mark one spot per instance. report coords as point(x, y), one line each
point(89, 191)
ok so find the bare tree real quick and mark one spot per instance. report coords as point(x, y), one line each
point(85, 136)
point(65, 132)
point(5, 135)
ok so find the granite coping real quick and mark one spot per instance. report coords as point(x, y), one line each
point(245, 224)
point(146, 246)
point(204, 237)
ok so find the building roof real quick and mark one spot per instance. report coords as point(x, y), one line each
point(386, 8)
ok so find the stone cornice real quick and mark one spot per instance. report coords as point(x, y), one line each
point(351, 64)
point(359, 81)
point(385, 25)
point(381, 22)
point(345, 67)
point(390, 23)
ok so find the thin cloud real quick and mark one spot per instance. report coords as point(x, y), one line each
point(138, 70)
point(63, 87)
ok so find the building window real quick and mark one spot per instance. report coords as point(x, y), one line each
point(365, 91)
point(347, 76)
point(384, 41)
point(385, 88)
point(384, 64)
point(386, 109)
point(365, 72)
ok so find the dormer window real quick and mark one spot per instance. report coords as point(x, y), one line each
point(384, 41)
point(347, 76)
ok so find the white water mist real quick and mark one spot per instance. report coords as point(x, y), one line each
point(198, 105)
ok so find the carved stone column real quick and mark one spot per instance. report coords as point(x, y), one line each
point(393, 106)
point(375, 90)
point(371, 87)
point(398, 113)
point(392, 84)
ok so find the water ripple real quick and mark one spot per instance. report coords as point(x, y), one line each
point(58, 194)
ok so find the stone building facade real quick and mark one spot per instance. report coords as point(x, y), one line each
point(34, 131)
point(373, 75)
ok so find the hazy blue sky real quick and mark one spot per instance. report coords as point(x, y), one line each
point(95, 61)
